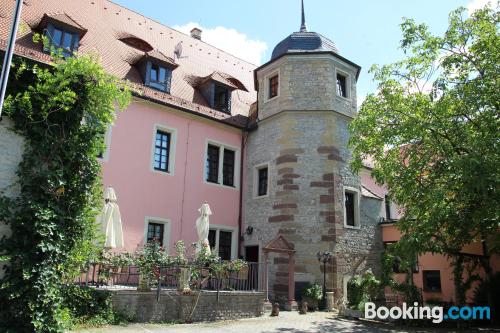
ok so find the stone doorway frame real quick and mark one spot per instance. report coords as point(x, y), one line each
point(281, 245)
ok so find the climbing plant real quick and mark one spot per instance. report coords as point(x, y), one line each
point(62, 111)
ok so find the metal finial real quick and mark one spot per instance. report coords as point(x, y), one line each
point(303, 27)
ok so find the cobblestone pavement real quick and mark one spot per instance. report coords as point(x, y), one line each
point(287, 322)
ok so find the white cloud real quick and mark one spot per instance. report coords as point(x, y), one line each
point(229, 40)
point(477, 4)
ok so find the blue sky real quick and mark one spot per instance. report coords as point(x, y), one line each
point(365, 31)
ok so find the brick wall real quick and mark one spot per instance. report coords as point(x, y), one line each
point(172, 306)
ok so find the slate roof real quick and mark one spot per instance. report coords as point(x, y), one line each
point(107, 22)
point(304, 41)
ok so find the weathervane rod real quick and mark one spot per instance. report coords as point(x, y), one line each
point(303, 27)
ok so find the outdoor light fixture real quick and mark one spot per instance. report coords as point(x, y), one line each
point(249, 230)
point(324, 257)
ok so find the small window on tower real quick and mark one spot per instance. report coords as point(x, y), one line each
point(341, 85)
point(262, 182)
point(273, 86)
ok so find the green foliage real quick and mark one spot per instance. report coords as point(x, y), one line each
point(313, 292)
point(432, 133)
point(85, 306)
point(363, 289)
point(61, 111)
point(487, 293)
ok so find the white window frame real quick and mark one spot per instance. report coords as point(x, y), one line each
point(166, 229)
point(107, 143)
point(171, 149)
point(267, 78)
point(237, 166)
point(347, 83)
point(357, 198)
point(234, 237)
point(256, 180)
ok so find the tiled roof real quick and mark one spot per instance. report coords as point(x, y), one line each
point(107, 22)
point(304, 41)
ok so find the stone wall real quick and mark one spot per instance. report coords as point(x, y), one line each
point(303, 136)
point(173, 306)
point(11, 150)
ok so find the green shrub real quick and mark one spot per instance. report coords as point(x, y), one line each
point(487, 292)
point(88, 307)
point(362, 289)
point(313, 292)
point(354, 292)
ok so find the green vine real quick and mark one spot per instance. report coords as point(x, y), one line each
point(62, 112)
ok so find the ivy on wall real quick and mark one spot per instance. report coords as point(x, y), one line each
point(62, 112)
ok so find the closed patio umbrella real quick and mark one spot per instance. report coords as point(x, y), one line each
point(202, 226)
point(111, 221)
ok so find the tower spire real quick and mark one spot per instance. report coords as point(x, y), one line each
point(303, 27)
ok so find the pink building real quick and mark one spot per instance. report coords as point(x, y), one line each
point(179, 143)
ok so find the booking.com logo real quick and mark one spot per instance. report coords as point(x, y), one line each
point(436, 313)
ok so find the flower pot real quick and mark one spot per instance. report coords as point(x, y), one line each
point(312, 304)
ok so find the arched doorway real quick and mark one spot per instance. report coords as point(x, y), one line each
point(281, 245)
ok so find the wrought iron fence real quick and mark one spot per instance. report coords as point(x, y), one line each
point(249, 278)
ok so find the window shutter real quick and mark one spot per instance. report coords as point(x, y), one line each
point(49, 32)
point(229, 93)
point(168, 80)
point(147, 77)
point(76, 42)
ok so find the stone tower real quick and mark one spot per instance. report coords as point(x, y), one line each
point(299, 184)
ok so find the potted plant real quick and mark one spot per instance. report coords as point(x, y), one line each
point(312, 294)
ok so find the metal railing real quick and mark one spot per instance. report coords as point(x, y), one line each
point(250, 278)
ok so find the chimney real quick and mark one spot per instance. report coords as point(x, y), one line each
point(196, 33)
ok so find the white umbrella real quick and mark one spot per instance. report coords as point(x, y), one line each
point(202, 226)
point(111, 221)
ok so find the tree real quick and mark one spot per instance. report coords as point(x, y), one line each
point(431, 130)
point(62, 112)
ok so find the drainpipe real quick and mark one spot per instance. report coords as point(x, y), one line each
point(240, 215)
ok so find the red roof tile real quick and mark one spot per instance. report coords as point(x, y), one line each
point(106, 23)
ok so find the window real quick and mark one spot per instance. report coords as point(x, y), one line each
point(228, 168)
point(221, 241)
point(387, 208)
point(273, 86)
point(62, 39)
point(212, 164)
point(351, 208)
point(159, 77)
point(262, 181)
point(225, 238)
point(155, 233)
point(220, 165)
point(341, 85)
point(162, 151)
point(222, 99)
point(432, 281)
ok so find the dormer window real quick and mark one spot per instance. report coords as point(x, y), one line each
point(222, 98)
point(159, 77)
point(63, 39)
point(63, 33)
point(156, 69)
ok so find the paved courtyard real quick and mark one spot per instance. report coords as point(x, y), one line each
point(287, 322)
